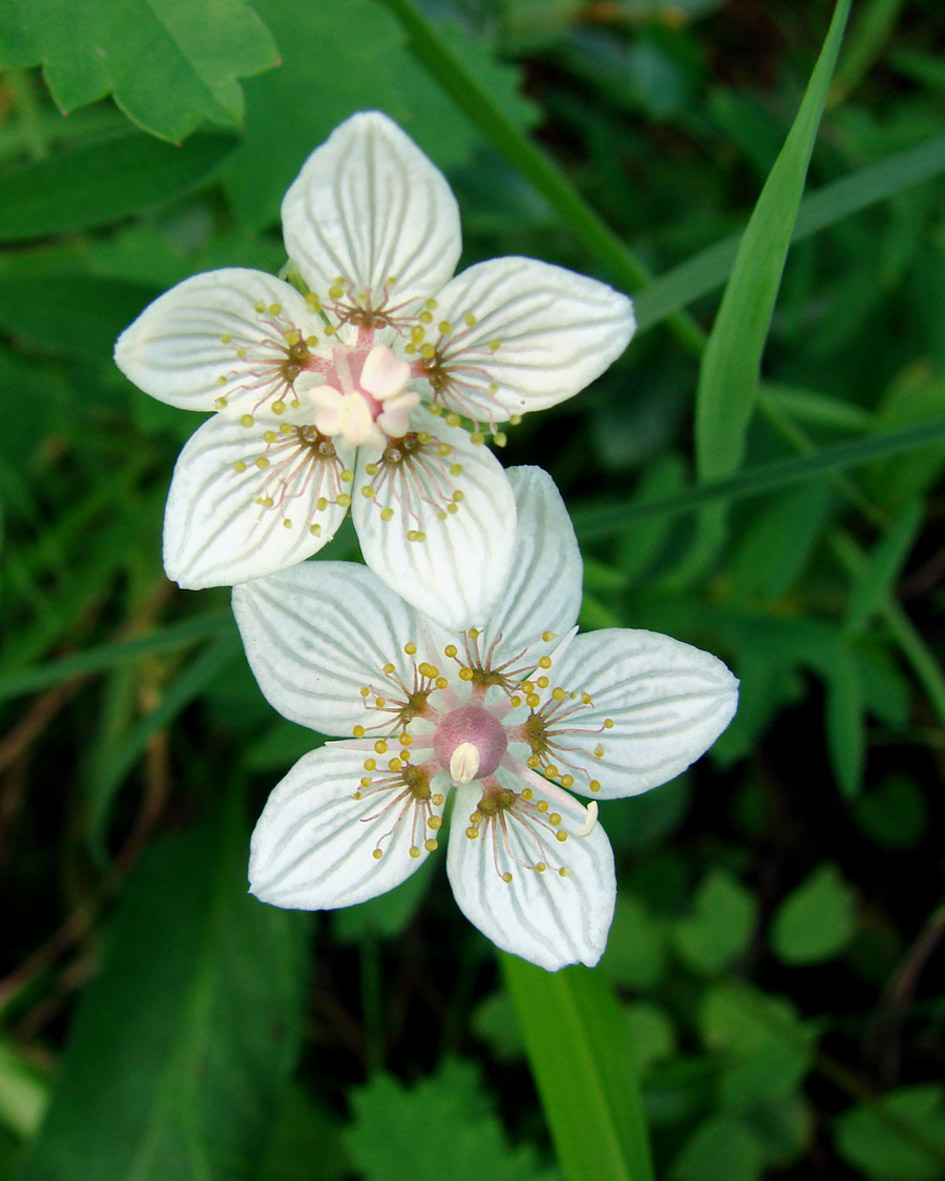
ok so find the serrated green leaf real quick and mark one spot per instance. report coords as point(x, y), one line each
point(442, 1127)
point(97, 184)
point(731, 366)
point(816, 921)
point(721, 926)
point(894, 814)
point(184, 1041)
point(170, 64)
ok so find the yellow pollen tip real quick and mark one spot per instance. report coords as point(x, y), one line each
point(312, 342)
point(608, 723)
point(477, 438)
point(494, 344)
point(540, 866)
point(377, 854)
point(545, 662)
point(270, 436)
point(358, 731)
point(435, 409)
point(444, 449)
point(548, 637)
point(473, 632)
point(506, 877)
point(388, 669)
point(430, 844)
point(441, 682)
point(543, 682)
point(456, 469)
point(262, 463)
point(527, 793)
point(275, 309)
point(567, 780)
point(346, 476)
point(410, 648)
point(469, 320)
point(247, 420)
point(558, 694)
point(598, 751)
point(313, 301)
point(434, 822)
point(260, 305)
point(554, 818)
point(292, 337)
point(425, 318)
point(466, 674)
point(515, 701)
point(445, 327)
point(416, 535)
point(278, 407)
point(542, 805)
point(371, 468)
point(561, 835)
point(472, 832)
point(344, 500)
point(380, 746)
point(438, 800)
point(533, 700)
point(594, 785)
point(286, 523)
point(367, 491)
point(450, 650)
point(427, 351)
point(225, 338)
point(370, 764)
point(453, 419)
point(387, 514)
point(500, 438)
point(239, 466)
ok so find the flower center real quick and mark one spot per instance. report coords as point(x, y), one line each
point(363, 399)
point(470, 743)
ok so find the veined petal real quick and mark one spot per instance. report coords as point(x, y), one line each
point(525, 335)
point(316, 633)
point(217, 338)
point(435, 516)
point(368, 207)
point(543, 592)
point(549, 918)
point(234, 489)
point(657, 704)
point(315, 843)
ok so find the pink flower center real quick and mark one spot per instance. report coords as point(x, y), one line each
point(470, 738)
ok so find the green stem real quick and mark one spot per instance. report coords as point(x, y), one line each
point(438, 56)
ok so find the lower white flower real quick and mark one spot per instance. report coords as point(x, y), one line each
point(505, 718)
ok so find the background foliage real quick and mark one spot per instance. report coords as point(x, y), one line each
point(772, 495)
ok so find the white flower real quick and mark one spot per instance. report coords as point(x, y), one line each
point(504, 717)
point(324, 400)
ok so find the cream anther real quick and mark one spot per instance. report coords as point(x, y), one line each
point(590, 822)
point(464, 763)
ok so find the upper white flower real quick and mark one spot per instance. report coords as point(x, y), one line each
point(505, 717)
point(325, 399)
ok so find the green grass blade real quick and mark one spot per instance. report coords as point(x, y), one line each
point(580, 1054)
point(93, 660)
point(605, 520)
point(731, 366)
point(874, 584)
point(708, 269)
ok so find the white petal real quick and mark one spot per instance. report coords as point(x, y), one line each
point(368, 206)
point(216, 531)
point(541, 334)
point(315, 634)
point(451, 565)
point(668, 702)
point(549, 919)
point(543, 591)
point(313, 846)
point(184, 343)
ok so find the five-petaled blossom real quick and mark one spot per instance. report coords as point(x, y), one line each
point(353, 394)
point(504, 717)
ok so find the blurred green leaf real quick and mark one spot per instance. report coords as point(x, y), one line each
point(636, 946)
point(388, 914)
point(883, 566)
point(97, 184)
point(183, 1043)
point(868, 1143)
point(721, 925)
point(651, 1033)
point(816, 921)
point(293, 109)
point(306, 1143)
point(894, 814)
point(869, 185)
point(24, 1093)
point(721, 1149)
point(729, 374)
point(444, 1126)
point(169, 65)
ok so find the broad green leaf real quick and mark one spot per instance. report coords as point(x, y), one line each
point(169, 63)
point(816, 921)
point(183, 1043)
point(578, 1044)
point(97, 184)
point(306, 1143)
point(886, 1153)
point(651, 1033)
point(444, 1126)
point(872, 183)
point(360, 63)
point(883, 566)
point(776, 544)
point(731, 366)
point(720, 927)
